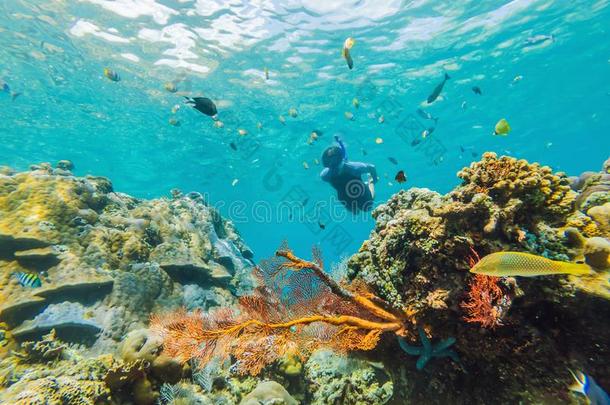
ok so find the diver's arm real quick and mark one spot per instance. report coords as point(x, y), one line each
point(342, 146)
point(363, 168)
point(324, 174)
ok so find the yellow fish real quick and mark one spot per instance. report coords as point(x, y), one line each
point(508, 264)
point(345, 52)
point(502, 128)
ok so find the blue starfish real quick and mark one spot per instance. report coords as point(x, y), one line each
point(427, 350)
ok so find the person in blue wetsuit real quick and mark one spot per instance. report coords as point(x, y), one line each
point(346, 178)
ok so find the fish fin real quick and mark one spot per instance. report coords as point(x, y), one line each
point(447, 77)
point(580, 382)
point(580, 269)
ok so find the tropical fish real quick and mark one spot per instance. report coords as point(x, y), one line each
point(242, 132)
point(293, 112)
point(282, 119)
point(381, 119)
point(586, 385)
point(477, 90)
point(538, 39)
point(259, 126)
point(464, 105)
point(4, 87)
point(321, 225)
point(175, 108)
point(517, 79)
point(393, 160)
point(415, 142)
point(347, 45)
point(174, 122)
point(348, 116)
point(437, 90)
point(427, 132)
point(28, 279)
point(400, 177)
point(111, 75)
point(426, 115)
point(233, 146)
point(234, 182)
point(266, 73)
point(203, 105)
point(509, 264)
point(356, 102)
point(502, 128)
point(219, 124)
point(171, 87)
point(378, 141)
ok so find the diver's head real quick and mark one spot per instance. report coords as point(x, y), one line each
point(332, 157)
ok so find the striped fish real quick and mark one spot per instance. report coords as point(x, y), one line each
point(28, 280)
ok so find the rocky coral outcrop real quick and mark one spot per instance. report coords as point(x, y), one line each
point(418, 258)
point(106, 261)
point(338, 379)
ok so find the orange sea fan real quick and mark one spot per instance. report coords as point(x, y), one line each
point(297, 307)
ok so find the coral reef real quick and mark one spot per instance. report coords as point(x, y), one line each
point(337, 379)
point(524, 332)
point(292, 334)
point(268, 392)
point(106, 261)
point(270, 324)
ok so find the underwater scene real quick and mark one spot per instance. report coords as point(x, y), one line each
point(291, 202)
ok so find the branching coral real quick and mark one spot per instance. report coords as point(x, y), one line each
point(486, 302)
point(296, 309)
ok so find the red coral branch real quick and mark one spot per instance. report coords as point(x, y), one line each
point(486, 301)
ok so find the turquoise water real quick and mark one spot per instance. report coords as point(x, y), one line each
point(54, 54)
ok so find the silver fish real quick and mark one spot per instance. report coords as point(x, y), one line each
point(426, 115)
point(538, 39)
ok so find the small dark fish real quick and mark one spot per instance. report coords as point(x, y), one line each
point(437, 90)
point(321, 225)
point(400, 177)
point(4, 87)
point(391, 159)
point(233, 146)
point(426, 115)
point(415, 142)
point(477, 90)
point(305, 201)
point(28, 280)
point(203, 105)
point(474, 154)
point(462, 149)
point(112, 75)
point(364, 152)
point(317, 132)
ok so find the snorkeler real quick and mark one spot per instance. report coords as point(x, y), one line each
point(346, 178)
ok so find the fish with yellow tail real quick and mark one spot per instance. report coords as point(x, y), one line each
point(509, 264)
point(345, 52)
